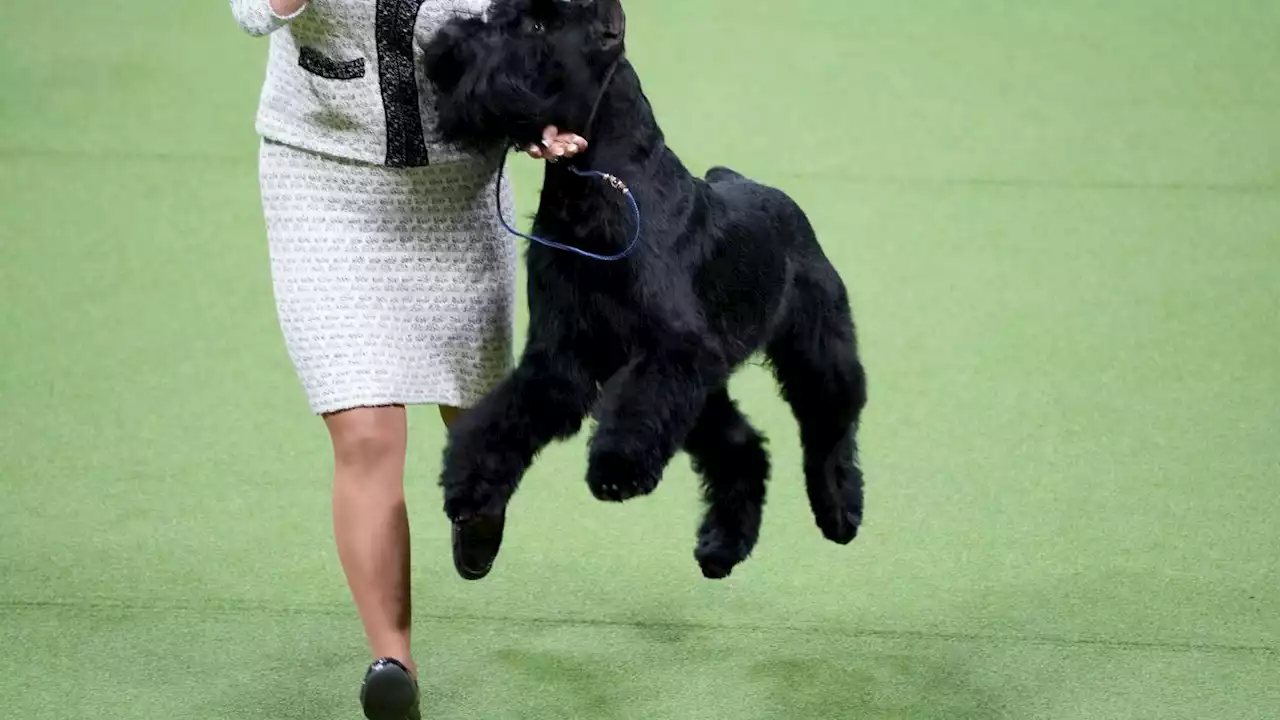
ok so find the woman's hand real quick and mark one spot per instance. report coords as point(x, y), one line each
point(556, 145)
point(287, 8)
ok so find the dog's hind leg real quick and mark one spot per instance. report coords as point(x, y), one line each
point(730, 456)
point(815, 359)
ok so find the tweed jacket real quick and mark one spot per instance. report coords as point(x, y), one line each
point(344, 77)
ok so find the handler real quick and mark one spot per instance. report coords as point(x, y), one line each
point(392, 273)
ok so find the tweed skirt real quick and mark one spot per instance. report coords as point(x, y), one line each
point(392, 286)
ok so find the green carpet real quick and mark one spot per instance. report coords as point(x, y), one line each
point(1060, 224)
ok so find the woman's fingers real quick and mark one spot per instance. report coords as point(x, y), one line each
point(556, 145)
point(567, 145)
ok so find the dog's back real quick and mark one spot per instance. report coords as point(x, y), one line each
point(719, 174)
point(772, 216)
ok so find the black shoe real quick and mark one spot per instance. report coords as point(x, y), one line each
point(389, 692)
point(475, 545)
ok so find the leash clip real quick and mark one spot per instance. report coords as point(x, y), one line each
point(616, 183)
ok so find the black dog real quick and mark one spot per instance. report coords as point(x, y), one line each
point(726, 268)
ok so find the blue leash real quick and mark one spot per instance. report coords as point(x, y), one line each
point(617, 185)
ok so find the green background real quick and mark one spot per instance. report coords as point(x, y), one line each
point(1060, 225)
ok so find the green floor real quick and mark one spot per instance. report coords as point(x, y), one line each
point(1060, 223)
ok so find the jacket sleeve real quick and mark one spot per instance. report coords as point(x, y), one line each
point(257, 18)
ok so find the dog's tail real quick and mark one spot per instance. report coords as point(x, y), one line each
point(720, 173)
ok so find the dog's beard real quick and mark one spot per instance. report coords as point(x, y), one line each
point(494, 89)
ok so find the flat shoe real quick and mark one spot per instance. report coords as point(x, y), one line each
point(389, 692)
point(476, 543)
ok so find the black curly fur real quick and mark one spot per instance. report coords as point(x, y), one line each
point(727, 268)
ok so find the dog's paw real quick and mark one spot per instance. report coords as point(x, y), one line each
point(839, 521)
point(841, 529)
point(478, 485)
point(718, 552)
point(836, 500)
point(462, 504)
point(616, 478)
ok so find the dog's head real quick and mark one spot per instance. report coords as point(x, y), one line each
point(527, 64)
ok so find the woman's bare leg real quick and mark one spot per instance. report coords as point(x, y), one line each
point(371, 524)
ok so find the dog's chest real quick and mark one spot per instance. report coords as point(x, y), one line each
point(610, 320)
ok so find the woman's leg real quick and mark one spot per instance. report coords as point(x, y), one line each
point(371, 524)
point(449, 414)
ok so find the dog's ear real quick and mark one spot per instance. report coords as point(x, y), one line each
point(613, 23)
point(448, 52)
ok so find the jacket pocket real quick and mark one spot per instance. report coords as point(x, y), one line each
point(317, 63)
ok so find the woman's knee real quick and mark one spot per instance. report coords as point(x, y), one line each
point(368, 438)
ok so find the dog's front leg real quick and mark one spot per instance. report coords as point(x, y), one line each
point(646, 412)
point(492, 445)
